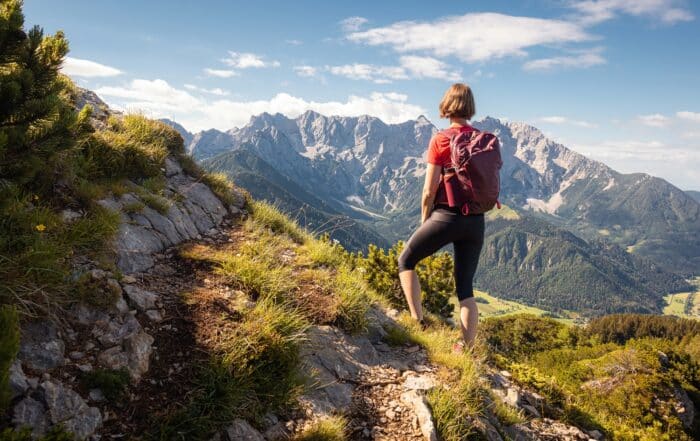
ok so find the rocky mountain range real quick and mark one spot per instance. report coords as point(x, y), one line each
point(363, 177)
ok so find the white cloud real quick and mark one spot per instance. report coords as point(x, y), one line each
point(410, 66)
point(482, 36)
point(352, 24)
point(370, 72)
point(221, 73)
point(428, 67)
point(158, 99)
point(215, 91)
point(690, 116)
point(584, 59)
point(247, 60)
point(76, 67)
point(294, 42)
point(666, 11)
point(565, 120)
point(654, 120)
point(681, 164)
point(305, 71)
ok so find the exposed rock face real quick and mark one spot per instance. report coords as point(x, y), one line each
point(334, 358)
point(117, 336)
point(193, 211)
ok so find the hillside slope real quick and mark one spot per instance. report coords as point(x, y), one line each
point(534, 262)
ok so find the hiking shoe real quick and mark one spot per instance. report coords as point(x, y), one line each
point(459, 347)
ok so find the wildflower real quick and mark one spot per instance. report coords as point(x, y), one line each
point(36, 197)
point(40, 227)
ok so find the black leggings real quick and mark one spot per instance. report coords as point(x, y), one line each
point(441, 228)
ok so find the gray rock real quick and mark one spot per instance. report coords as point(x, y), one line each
point(240, 430)
point(117, 330)
point(200, 217)
point(182, 222)
point(30, 413)
point(87, 315)
point(85, 423)
point(69, 216)
point(40, 347)
point(67, 408)
point(143, 299)
point(202, 195)
point(163, 225)
point(513, 397)
point(531, 410)
point(491, 433)
point(134, 246)
point(172, 167)
point(595, 434)
point(18, 381)
point(421, 382)
point(154, 315)
point(113, 358)
point(416, 401)
point(62, 402)
point(138, 348)
point(96, 395)
point(330, 355)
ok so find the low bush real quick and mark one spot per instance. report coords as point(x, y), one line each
point(112, 383)
point(435, 273)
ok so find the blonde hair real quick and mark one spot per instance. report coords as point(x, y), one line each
point(458, 102)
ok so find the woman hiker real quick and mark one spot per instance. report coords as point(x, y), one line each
point(442, 224)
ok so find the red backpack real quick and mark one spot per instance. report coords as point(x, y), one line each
point(472, 183)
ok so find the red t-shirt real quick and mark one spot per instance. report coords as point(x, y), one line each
point(439, 147)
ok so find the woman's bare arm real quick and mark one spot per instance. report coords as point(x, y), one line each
point(430, 186)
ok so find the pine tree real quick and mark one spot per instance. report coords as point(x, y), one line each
point(37, 120)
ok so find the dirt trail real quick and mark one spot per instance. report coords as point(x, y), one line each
point(381, 390)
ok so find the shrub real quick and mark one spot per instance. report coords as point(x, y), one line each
point(435, 274)
point(521, 335)
point(619, 328)
point(112, 383)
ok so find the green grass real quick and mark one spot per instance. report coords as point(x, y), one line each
point(269, 216)
point(684, 304)
point(490, 306)
point(253, 370)
point(332, 428)
point(257, 277)
point(353, 300)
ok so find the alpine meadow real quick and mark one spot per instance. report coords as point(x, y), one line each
point(272, 221)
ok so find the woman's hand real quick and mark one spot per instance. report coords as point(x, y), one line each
point(432, 181)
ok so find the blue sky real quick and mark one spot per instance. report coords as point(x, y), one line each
point(616, 80)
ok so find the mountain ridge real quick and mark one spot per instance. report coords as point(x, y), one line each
point(362, 163)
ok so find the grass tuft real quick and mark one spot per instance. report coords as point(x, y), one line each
point(332, 428)
point(271, 217)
